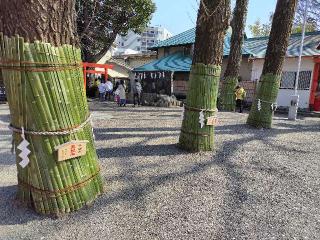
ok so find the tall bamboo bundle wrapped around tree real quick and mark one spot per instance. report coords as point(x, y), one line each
point(263, 107)
point(230, 78)
point(212, 23)
point(42, 73)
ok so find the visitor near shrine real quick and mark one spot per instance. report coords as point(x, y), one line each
point(102, 91)
point(137, 90)
point(240, 96)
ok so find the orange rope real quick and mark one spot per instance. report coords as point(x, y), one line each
point(40, 63)
point(52, 194)
point(36, 69)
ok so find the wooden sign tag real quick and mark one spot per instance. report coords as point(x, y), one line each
point(71, 149)
point(212, 121)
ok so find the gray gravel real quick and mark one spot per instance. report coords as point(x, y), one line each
point(258, 184)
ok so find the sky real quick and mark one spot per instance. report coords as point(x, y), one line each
point(180, 15)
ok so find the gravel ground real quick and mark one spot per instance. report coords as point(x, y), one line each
point(258, 184)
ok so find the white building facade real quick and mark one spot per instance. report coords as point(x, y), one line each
point(134, 43)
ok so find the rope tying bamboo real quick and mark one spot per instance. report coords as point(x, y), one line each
point(52, 133)
point(199, 109)
point(207, 11)
point(273, 105)
point(40, 68)
point(52, 194)
point(195, 133)
point(38, 63)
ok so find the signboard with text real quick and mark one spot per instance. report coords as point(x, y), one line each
point(71, 149)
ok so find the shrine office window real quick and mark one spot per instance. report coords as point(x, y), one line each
point(288, 80)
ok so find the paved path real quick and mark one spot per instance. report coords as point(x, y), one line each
point(258, 184)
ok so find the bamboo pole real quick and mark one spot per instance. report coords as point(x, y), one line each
point(204, 80)
point(227, 96)
point(50, 101)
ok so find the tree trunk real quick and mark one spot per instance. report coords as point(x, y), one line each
point(235, 56)
point(44, 84)
point(263, 107)
point(212, 23)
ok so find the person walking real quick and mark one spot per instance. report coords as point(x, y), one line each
point(102, 91)
point(240, 96)
point(137, 90)
point(122, 93)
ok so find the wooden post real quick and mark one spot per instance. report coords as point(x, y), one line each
point(314, 82)
point(85, 75)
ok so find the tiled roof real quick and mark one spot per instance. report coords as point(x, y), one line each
point(253, 46)
point(188, 37)
point(258, 46)
point(177, 62)
point(184, 38)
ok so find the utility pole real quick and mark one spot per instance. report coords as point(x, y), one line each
point(293, 109)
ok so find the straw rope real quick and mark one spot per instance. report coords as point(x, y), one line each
point(60, 132)
point(38, 63)
point(50, 193)
point(207, 10)
point(193, 109)
point(195, 133)
point(40, 68)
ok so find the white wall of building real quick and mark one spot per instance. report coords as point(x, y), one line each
point(290, 65)
point(135, 43)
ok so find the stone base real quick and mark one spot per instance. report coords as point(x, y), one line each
point(160, 100)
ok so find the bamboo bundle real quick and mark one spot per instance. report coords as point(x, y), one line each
point(227, 93)
point(44, 86)
point(202, 95)
point(267, 92)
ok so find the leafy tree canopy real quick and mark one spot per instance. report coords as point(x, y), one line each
point(313, 14)
point(259, 29)
point(99, 22)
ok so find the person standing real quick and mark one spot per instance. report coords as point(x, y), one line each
point(122, 93)
point(240, 96)
point(137, 90)
point(102, 91)
point(109, 90)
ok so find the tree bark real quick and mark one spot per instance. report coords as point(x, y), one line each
point(212, 23)
point(43, 77)
point(42, 20)
point(263, 107)
point(235, 56)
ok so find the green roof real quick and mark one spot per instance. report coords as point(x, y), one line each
point(188, 38)
point(253, 46)
point(177, 62)
point(258, 46)
point(184, 38)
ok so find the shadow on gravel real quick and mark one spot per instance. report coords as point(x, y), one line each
point(131, 109)
point(135, 129)
point(14, 213)
point(7, 159)
point(232, 211)
point(5, 118)
point(140, 150)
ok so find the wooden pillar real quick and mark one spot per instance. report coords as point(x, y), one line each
point(85, 75)
point(105, 73)
point(314, 84)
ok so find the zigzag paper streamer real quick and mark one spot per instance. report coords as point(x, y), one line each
point(23, 147)
point(201, 119)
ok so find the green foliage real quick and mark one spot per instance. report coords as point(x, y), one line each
point(260, 30)
point(99, 22)
point(313, 16)
point(313, 22)
point(310, 27)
